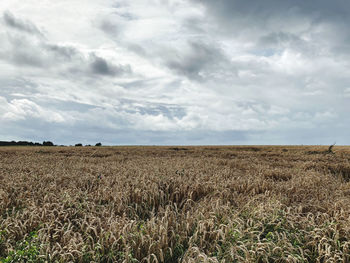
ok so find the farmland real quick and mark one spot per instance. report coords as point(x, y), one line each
point(175, 204)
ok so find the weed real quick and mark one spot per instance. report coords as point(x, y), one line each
point(26, 250)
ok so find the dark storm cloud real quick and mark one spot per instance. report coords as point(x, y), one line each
point(19, 24)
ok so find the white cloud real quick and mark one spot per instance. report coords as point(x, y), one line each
point(21, 109)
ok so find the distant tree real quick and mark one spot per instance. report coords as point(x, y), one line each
point(48, 143)
point(22, 143)
point(78, 145)
point(25, 143)
point(4, 143)
point(98, 144)
point(88, 145)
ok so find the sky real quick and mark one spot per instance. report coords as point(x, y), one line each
point(175, 72)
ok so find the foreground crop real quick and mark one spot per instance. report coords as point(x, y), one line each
point(170, 204)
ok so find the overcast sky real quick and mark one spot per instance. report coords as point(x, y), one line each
point(175, 71)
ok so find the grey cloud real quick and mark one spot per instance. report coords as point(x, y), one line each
point(153, 109)
point(323, 22)
point(258, 11)
point(23, 58)
point(196, 62)
point(21, 25)
point(110, 127)
point(100, 66)
point(16, 85)
point(66, 52)
point(196, 58)
point(63, 105)
point(115, 22)
point(138, 49)
point(279, 38)
point(41, 50)
point(36, 130)
point(194, 25)
point(200, 59)
point(61, 134)
point(276, 42)
point(126, 16)
point(109, 27)
point(24, 51)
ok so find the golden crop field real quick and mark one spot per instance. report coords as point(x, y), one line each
point(175, 204)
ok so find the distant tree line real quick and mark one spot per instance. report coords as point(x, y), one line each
point(26, 143)
point(80, 144)
point(45, 143)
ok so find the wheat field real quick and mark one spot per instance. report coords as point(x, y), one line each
point(175, 204)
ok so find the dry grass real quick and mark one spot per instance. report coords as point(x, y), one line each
point(172, 204)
